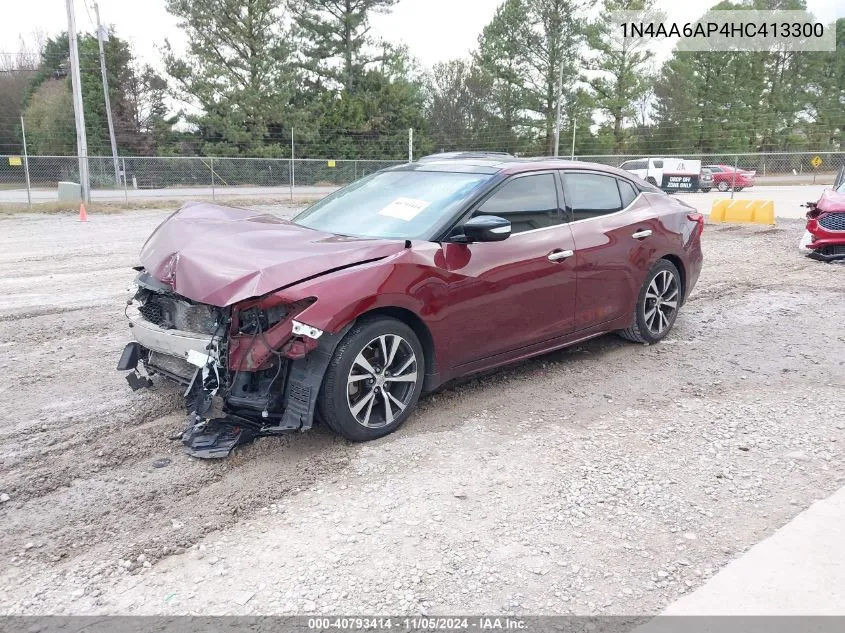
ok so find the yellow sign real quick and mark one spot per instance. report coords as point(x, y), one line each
point(15, 161)
point(332, 163)
point(817, 160)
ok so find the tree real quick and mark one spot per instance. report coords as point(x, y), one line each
point(49, 102)
point(236, 70)
point(553, 51)
point(336, 32)
point(16, 73)
point(459, 107)
point(622, 64)
point(502, 64)
point(825, 89)
point(50, 127)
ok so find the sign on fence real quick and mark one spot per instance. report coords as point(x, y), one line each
point(816, 161)
point(15, 161)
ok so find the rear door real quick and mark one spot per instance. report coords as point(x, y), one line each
point(521, 291)
point(613, 226)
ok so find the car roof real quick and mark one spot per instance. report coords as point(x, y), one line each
point(507, 165)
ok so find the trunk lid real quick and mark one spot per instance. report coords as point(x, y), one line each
point(222, 255)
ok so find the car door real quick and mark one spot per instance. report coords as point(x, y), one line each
point(521, 291)
point(612, 224)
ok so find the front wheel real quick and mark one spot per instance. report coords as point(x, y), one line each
point(723, 186)
point(657, 304)
point(373, 380)
point(705, 189)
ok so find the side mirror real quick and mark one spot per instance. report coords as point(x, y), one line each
point(486, 228)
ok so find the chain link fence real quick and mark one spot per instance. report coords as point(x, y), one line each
point(785, 164)
point(184, 177)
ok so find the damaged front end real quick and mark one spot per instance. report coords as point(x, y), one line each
point(824, 237)
point(248, 370)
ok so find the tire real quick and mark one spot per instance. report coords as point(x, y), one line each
point(705, 189)
point(651, 181)
point(376, 403)
point(738, 189)
point(643, 329)
point(722, 186)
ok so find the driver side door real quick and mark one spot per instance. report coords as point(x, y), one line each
point(509, 295)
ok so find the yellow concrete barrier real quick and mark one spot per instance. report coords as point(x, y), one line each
point(743, 211)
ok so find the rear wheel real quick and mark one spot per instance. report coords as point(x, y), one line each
point(657, 304)
point(722, 186)
point(705, 189)
point(374, 379)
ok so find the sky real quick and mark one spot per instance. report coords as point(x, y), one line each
point(434, 30)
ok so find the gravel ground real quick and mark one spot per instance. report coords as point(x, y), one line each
point(605, 479)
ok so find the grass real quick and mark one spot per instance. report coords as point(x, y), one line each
point(158, 204)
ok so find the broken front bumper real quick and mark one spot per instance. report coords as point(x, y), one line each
point(176, 353)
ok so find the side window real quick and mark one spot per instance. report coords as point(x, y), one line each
point(529, 202)
point(658, 164)
point(715, 170)
point(592, 195)
point(627, 192)
point(640, 164)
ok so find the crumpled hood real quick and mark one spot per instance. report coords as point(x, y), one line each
point(222, 255)
point(832, 202)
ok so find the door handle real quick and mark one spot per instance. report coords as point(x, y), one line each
point(641, 234)
point(557, 256)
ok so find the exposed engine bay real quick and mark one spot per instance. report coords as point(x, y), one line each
point(248, 370)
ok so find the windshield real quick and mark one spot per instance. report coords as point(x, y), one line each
point(393, 204)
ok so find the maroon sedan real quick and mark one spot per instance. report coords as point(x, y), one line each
point(396, 284)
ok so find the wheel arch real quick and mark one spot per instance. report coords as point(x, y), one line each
point(679, 264)
point(415, 322)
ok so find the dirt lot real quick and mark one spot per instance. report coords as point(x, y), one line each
point(608, 478)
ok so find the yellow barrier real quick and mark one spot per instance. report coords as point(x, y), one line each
point(743, 211)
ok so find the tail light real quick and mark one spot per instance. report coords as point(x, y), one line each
point(697, 218)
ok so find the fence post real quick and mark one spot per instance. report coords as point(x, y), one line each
point(410, 145)
point(291, 174)
point(736, 166)
point(26, 166)
point(125, 187)
point(211, 163)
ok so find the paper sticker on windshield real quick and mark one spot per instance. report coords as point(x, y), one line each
point(404, 208)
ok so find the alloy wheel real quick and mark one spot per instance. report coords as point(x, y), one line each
point(381, 381)
point(661, 302)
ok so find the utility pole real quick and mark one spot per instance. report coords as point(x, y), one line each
point(79, 115)
point(559, 98)
point(100, 39)
point(26, 165)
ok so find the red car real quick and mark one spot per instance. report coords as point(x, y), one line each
point(824, 238)
point(396, 284)
point(725, 177)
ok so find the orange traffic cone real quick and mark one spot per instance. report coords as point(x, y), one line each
point(83, 215)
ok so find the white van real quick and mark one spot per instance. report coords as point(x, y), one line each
point(670, 174)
